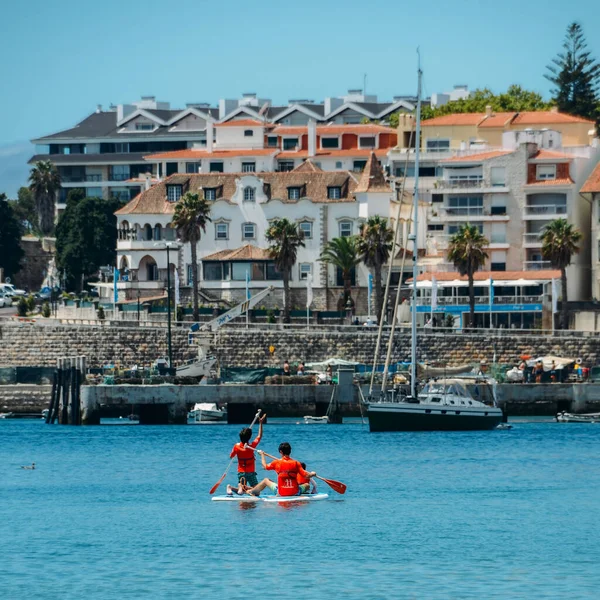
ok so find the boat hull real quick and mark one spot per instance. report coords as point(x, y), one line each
point(388, 416)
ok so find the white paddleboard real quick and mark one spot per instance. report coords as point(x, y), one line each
point(285, 499)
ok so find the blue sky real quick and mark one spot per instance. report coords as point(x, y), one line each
point(60, 59)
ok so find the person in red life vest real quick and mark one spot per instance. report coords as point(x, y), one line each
point(245, 456)
point(287, 470)
point(306, 484)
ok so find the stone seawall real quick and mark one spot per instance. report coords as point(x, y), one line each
point(35, 345)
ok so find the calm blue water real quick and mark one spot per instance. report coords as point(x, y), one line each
point(124, 512)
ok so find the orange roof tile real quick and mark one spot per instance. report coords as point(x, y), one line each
point(372, 178)
point(352, 152)
point(498, 119)
point(246, 252)
point(455, 119)
point(544, 117)
point(478, 157)
point(549, 155)
point(497, 276)
point(592, 183)
point(547, 182)
point(197, 154)
point(242, 123)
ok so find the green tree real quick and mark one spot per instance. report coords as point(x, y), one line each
point(342, 253)
point(44, 185)
point(374, 245)
point(190, 218)
point(86, 238)
point(576, 76)
point(11, 252)
point(285, 238)
point(25, 210)
point(559, 244)
point(466, 251)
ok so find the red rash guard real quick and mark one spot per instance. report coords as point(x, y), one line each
point(246, 460)
point(287, 470)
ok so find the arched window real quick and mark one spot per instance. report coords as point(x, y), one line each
point(148, 233)
point(249, 194)
point(157, 232)
point(148, 270)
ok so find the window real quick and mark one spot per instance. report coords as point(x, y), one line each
point(248, 231)
point(248, 133)
point(437, 197)
point(546, 171)
point(119, 173)
point(435, 227)
point(338, 164)
point(366, 142)
point(173, 193)
point(498, 266)
point(214, 271)
point(248, 167)
point(334, 192)
point(330, 142)
point(144, 127)
point(305, 271)
point(122, 147)
point(358, 165)
point(221, 231)
point(498, 176)
point(452, 229)
point(157, 233)
point(293, 193)
point(272, 141)
point(210, 193)
point(306, 229)
point(437, 145)
point(249, 194)
point(192, 167)
point(216, 167)
point(286, 165)
point(498, 210)
point(290, 143)
point(345, 228)
point(427, 171)
point(465, 205)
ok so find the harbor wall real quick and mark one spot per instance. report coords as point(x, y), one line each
point(30, 344)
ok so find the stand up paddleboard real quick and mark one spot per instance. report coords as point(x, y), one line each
point(278, 499)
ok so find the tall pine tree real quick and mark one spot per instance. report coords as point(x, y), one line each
point(576, 75)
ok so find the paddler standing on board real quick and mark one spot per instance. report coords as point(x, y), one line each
point(245, 455)
point(287, 470)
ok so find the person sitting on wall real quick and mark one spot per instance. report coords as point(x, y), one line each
point(286, 368)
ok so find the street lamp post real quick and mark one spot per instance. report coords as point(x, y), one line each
point(168, 246)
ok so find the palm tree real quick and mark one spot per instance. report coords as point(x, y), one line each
point(44, 183)
point(466, 251)
point(191, 216)
point(285, 238)
point(374, 245)
point(559, 244)
point(342, 252)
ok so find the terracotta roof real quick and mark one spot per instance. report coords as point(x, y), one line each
point(246, 252)
point(544, 117)
point(498, 119)
point(372, 178)
point(550, 182)
point(366, 129)
point(549, 155)
point(242, 123)
point(197, 154)
point(455, 119)
point(495, 275)
point(308, 166)
point(592, 183)
point(314, 186)
point(478, 157)
point(352, 152)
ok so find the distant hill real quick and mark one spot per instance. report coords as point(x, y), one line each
point(14, 169)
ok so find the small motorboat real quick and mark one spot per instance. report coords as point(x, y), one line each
point(7, 415)
point(207, 411)
point(270, 499)
point(310, 420)
point(565, 417)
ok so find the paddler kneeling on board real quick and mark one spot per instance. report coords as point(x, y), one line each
point(306, 484)
point(287, 470)
point(245, 455)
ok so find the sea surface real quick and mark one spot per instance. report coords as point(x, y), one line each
point(122, 512)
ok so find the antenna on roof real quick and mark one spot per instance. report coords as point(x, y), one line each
point(263, 111)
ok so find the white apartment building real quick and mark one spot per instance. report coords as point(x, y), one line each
point(325, 204)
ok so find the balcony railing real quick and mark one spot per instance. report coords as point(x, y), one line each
point(536, 265)
point(532, 238)
point(463, 211)
point(461, 184)
point(546, 210)
point(464, 300)
point(119, 177)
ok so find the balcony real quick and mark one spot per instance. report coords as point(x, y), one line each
point(532, 240)
point(119, 177)
point(80, 178)
point(544, 211)
point(460, 184)
point(536, 265)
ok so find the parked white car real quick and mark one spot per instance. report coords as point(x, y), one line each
point(10, 290)
point(5, 300)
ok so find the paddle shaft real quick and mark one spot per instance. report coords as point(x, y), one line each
point(213, 489)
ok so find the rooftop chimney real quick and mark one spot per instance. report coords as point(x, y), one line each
point(99, 108)
point(209, 135)
point(312, 138)
point(488, 111)
point(147, 181)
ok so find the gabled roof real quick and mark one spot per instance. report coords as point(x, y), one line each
point(308, 166)
point(541, 117)
point(455, 119)
point(358, 129)
point(315, 111)
point(500, 119)
point(160, 117)
point(242, 123)
point(246, 110)
point(592, 183)
point(246, 252)
point(372, 178)
point(192, 110)
point(544, 117)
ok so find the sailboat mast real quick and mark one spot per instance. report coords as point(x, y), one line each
point(413, 347)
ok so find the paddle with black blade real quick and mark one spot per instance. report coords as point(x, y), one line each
point(213, 489)
point(337, 486)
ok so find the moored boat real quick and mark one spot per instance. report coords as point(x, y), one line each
point(565, 417)
point(310, 420)
point(207, 411)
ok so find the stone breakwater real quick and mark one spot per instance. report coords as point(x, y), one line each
point(36, 345)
